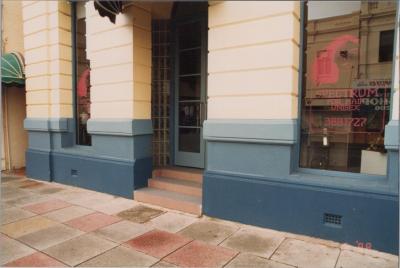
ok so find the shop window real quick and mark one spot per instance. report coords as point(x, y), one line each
point(386, 40)
point(82, 75)
point(346, 92)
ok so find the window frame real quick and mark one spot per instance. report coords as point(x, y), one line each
point(301, 86)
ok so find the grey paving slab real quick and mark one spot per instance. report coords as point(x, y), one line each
point(122, 231)
point(79, 249)
point(370, 252)
point(350, 259)
point(163, 264)
point(209, 231)
point(68, 213)
point(255, 241)
point(11, 178)
point(13, 194)
point(115, 206)
point(304, 254)
point(27, 199)
point(50, 236)
point(172, 222)
point(12, 214)
point(140, 214)
point(121, 256)
point(92, 199)
point(11, 249)
point(49, 190)
point(248, 260)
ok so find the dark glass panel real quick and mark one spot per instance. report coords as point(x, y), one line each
point(189, 140)
point(189, 35)
point(190, 62)
point(189, 88)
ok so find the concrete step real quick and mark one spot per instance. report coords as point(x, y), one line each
point(167, 199)
point(179, 186)
point(180, 173)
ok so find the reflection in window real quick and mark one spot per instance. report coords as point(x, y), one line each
point(346, 91)
point(82, 67)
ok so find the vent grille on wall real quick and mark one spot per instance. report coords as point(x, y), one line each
point(332, 219)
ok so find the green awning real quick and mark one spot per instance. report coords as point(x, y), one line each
point(12, 69)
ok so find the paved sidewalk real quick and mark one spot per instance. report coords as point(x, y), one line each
point(49, 224)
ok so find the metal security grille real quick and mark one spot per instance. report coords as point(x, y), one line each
point(160, 91)
point(332, 219)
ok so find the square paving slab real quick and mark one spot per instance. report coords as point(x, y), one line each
point(79, 249)
point(26, 226)
point(11, 249)
point(209, 231)
point(27, 199)
point(255, 241)
point(140, 214)
point(158, 243)
point(122, 231)
point(47, 206)
point(13, 214)
point(171, 222)
point(115, 206)
point(92, 199)
point(13, 194)
point(350, 259)
point(37, 259)
point(304, 254)
point(68, 213)
point(121, 257)
point(6, 178)
point(248, 260)
point(50, 236)
point(164, 264)
point(92, 221)
point(49, 190)
point(199, 254)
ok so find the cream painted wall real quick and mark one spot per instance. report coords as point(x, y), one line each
point(14, 138)
point(12, 26)
point(47, 46)
point(120, 58)
point(253, 59)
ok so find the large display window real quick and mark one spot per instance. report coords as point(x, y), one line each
point(82, 75)
point(347, 80)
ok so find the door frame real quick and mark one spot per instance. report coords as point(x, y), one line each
point(203, 18)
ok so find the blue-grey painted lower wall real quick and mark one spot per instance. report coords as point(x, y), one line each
point(250, 179)
point(289, 207)
point(119, 160)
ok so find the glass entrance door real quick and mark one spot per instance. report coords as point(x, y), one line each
point(190, 93)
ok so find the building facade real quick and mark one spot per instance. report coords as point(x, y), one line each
point(289, 112)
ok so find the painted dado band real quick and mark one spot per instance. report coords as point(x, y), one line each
point(47, 124)
point(117, 127)
point(392, 135)
point(120, 127)
point(254, 131)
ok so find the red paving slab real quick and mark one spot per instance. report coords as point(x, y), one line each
point(199, 254)
point(37, 259)
point(158, 243)
point(47, 206)
point(92, 221)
